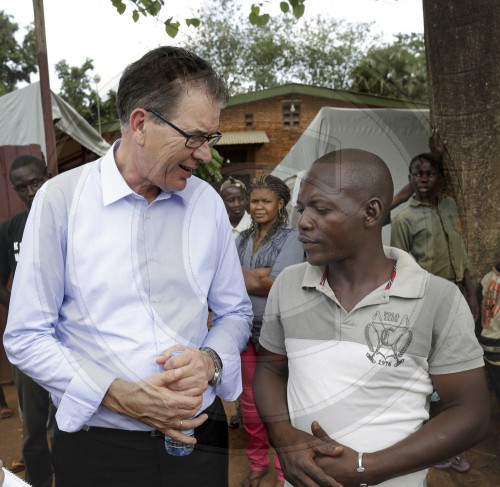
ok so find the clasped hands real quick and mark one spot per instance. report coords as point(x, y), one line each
point(317, 460)
point(169, 400)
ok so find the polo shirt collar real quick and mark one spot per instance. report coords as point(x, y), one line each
point(313, 276)
point(114, 187)
point(411, 279)
point(409, 283)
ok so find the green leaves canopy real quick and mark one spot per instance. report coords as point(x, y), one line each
point(153, 8)
point(396, 69)
point(17, 62)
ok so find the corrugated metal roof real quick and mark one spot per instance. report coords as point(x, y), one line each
point(244, 137)
point(293, 89)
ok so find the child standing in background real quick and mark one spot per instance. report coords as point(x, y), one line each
point(429, 228)
point(490, 320)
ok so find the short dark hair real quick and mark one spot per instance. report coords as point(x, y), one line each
point(434, 161)
point(365, 175)
point(23, 161)
point(156, 80)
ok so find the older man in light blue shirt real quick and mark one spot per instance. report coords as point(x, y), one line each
point(121, 261)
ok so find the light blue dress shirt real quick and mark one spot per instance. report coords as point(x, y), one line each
point(106, 282)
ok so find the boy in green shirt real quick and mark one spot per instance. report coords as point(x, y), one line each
point(429, 228)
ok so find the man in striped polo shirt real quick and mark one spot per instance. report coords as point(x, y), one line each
point(356, 339)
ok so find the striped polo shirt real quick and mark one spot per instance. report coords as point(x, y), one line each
point(365, 374)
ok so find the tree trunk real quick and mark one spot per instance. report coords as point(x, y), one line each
point(462, 44)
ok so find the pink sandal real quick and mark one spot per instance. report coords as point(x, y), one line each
point(460, 464)
point(443, 465)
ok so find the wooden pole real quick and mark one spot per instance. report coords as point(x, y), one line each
point(43, 66)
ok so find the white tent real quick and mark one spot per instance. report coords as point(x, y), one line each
point(396, 135)
point(21, 121)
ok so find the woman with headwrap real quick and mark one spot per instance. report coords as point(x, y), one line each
point(265, 249)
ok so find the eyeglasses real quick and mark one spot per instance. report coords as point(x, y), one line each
point(192, 141)
point(33, 184)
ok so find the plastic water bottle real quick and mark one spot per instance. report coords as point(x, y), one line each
point(174, 447)
point(178, 448)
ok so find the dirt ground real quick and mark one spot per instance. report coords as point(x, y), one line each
point(484, 457)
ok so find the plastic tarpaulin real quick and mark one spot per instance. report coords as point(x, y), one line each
point(21, 121)
point(395, 135)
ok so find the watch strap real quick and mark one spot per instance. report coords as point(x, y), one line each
point(217, 365)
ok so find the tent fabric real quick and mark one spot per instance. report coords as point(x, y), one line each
point(72, 123)
point(395, 135)
point(21, 121)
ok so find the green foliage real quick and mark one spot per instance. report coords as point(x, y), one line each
point(17, 62)
point(321, 51)
point(261, 19)
point(108, 107)
point(153, 8)
point(256, 18)
point(211, 172)
point(77, 90)
point(396, 69)
point(172, 28)
point(327, 50)
point(221, 40)
point(261, 51)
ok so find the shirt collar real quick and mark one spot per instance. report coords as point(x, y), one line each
point(313, 276)
point(114, 187)
point(416, 202)
point(410, 277)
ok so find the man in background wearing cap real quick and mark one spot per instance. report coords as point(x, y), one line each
point(234, 194)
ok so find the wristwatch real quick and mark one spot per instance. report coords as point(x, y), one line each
point(217, 365)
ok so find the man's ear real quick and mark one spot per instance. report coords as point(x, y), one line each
point(374, 212)
point(137, 124)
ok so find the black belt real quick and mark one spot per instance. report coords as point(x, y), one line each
point(116, 431)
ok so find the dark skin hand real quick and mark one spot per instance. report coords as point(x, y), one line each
point(257, 281)
point(462, 423)
point(403, 195)
point(296, 448)
point(437, 145)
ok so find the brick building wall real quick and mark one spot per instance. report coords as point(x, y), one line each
point(267, 115)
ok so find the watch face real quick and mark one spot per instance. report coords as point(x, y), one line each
point(216, 378)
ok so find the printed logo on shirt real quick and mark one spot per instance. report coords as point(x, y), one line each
point(388, 338)
point(17, 247)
